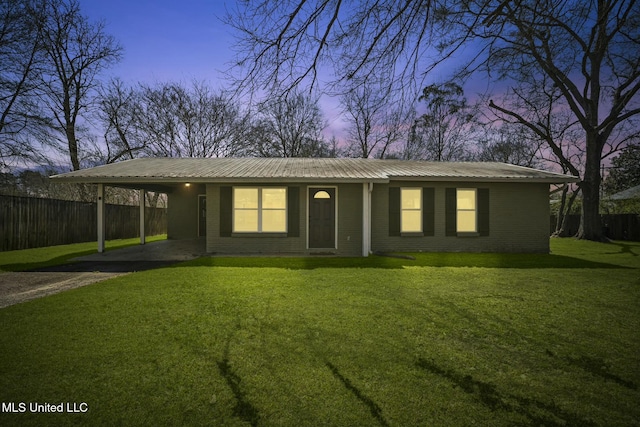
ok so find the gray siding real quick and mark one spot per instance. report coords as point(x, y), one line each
point(350, 219)
point(182, 212)
point(349, 236)
point(519, 216)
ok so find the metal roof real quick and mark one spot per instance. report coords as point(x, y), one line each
point(200, 170)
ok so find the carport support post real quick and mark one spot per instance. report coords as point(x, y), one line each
point(367, 188)
point(142, 203)
point(101, 227)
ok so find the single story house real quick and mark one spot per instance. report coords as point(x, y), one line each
point(347, 207)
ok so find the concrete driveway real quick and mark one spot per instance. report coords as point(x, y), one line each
point(17, 287)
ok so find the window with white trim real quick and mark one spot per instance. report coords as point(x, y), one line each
point(411, 210)
point(466, 215)
point(259, 210)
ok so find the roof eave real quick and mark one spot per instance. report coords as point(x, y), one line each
point(540, 180)
point(199, 180)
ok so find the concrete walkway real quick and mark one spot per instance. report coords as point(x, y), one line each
point(18, 287)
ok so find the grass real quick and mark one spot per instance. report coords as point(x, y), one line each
point(55, 255)
point(445, 339)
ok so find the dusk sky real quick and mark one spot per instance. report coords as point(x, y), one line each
point(166, 39)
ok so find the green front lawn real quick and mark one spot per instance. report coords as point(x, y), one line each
point(442, 340)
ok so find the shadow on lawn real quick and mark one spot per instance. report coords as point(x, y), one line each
point(540, 413)
point(243, 408)
point(486, 260)
point(626, 248)
point(375, 410)
point(61, 260)
point(597, 367)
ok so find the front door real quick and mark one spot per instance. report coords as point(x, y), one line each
point(322, 218)
point(202, 216)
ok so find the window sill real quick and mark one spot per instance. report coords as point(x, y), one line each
point(258, 235)
point(412, 234)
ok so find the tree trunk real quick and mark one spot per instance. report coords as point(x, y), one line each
point(73, 147)
point(560, 217)
point(590, 222)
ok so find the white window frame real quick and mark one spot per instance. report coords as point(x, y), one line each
point(418, 209)
point(474, 210)
point(260, 210)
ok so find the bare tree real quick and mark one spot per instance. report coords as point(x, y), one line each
point(172, 120)
point(444, 131)
point(510, 144)
point(290, 126)
point(375, 121)
point(119, 111)
point(282, 43)
point(76, 52)
point(20, 62)
point(589, 51)
point(551, 131)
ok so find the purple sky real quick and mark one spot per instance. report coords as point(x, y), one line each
point(168, 40)
point(164, 39)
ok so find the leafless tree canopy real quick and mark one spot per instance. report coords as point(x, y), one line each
point(376, 122)
point(76, 51)
point(589, 52)
point(171, 120)
point(289, 126)
point(283, 43)
point(446, 129)
point(510, 144)
point(20, 62)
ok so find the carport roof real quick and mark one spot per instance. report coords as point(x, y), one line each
point(199, 170)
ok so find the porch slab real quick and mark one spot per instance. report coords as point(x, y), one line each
point(162, 250)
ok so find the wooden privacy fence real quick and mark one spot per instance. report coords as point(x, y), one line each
point(615, 226)
point(27, 222)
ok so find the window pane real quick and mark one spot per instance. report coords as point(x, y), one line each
point(245, 198)
point(274, 221)
point(274, 198)
point(466, 221)
point(466, 199)
point(245, 220)
point(411, 198)
point(411, 221)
